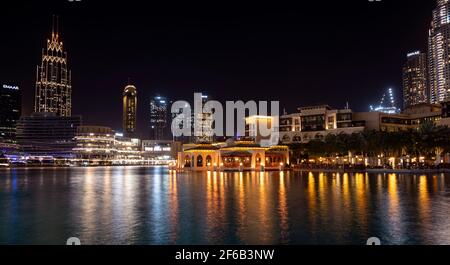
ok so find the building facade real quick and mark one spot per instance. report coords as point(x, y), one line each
point(159, 118)
point(100, 146)
point(439, 52)
point(233, 156)
point(130, 111)
point(410, 118)
point(95, 145)
point(47, 134)
point(128, 151)
point(316, 122)
point(161, 150)
point(53, 93)
point(415, 81)
point(10, 111)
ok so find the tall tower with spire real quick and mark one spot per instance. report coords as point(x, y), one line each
point(53, 78)
point(129, 110)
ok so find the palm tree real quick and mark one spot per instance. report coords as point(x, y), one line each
point(297, 152)
point(373, 145)
point(332, 145)
point(316, 148)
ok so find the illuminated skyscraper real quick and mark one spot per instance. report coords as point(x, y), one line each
point(201, 123)
point(129, 110)
point(158, 118)
point(53, 79)
point(203, 133)
point(415, 79)
point(10, 111)
point(439, 52)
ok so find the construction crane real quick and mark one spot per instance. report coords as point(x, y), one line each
point(387, 104)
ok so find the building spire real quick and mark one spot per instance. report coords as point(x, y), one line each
point(55, 27)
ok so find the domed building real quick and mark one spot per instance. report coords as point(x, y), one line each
point(232, 156)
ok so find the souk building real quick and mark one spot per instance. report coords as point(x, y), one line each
point(233, 156)
point(255, 153)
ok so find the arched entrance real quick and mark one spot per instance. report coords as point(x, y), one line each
point(200, 161)
point(286, 139)
point(258, 160)
point(187, 161)
point(208, 161)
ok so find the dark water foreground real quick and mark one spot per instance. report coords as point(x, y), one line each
point(144, 205)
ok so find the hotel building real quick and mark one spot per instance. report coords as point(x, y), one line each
point(316, 122)
point(415, 82)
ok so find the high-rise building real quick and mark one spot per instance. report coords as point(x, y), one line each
point(201, 123)
point(129, 111)
point(10, 111)
point(260, 129)
point(53, 78)
point(158, 118)
point(439, 52)
point(415, 79)
point(203, 132)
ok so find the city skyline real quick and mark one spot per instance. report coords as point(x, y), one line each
point(225, 126)
point(268, 86)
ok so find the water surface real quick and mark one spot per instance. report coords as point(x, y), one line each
point(150, 205)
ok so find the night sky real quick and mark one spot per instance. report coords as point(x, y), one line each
point(313, 52)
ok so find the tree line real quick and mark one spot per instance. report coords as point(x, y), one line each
point(428, 141)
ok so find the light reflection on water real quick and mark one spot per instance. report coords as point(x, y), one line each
point(144, 205)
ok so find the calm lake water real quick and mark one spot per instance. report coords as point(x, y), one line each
point(144, 205)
